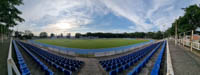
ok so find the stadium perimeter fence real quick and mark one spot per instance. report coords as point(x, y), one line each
point(189, 39)
point(94, 52)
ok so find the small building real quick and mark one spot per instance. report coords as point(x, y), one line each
point(196, 37)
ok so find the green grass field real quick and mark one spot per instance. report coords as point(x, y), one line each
point(90, 43)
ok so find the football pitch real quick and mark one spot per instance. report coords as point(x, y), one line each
point(91, 43)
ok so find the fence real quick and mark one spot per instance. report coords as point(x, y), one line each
point(94, 52)
point(10, 62)
point(189, 39)
point(188, 43)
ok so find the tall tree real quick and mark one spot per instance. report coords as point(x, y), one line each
point(28, 34)
point(77, 35)
point(9, 14)
point(189, 21)
point(68, 35)
point(43, 35)
point(52, 35)
point(61, 35)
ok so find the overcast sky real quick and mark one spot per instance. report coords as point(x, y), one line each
point(63, 16)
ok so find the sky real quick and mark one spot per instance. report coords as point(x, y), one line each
point(116, 16)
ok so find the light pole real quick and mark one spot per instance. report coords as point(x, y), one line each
point(163, 31)
point(176, 32)
point(191, 40)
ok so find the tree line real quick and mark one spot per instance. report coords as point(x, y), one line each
point(154, 35)
point(189, 21)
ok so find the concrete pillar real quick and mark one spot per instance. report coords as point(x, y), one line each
point(191, 40)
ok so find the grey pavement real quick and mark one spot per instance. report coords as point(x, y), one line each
point(184, 61)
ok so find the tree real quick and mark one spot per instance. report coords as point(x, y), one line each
point(28, 34)
point(43, 35)
point(150, 34)
point(9, 14)
point(18, 34)
point(88, 34)
point(61, 35)
point(52, 35)
point(190, 20)
point(68, 35)
point(77, 35)
point(158, 35)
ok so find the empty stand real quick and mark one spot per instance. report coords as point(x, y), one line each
point(117, 65)
point(22, 65)
point(66, 65)
point(42, 65)
point(138, 68)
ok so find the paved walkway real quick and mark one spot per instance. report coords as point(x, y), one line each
point(184, 62)
point(91, 67)
point(4, 55)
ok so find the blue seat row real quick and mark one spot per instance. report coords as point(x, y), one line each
point(138, 68)
point(22, 65)
point(63, 64)
point(56, 58)
point(119, 64)
point(67, 72)
point(126, 57)
point(142, 63)
point(156, 68)
point(42, 65)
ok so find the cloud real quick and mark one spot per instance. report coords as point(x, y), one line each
point(59, 16)
point(100, 15)
point(158, 12)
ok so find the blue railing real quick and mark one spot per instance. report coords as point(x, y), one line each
point(138, 68)
point(22, 65)
point(156, 68)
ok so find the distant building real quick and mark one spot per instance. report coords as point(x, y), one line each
point(196, 38)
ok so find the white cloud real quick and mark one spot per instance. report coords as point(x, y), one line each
point(73, 15)
point(134, 10)
point(59, 16)
point(159, 12)
point(64, 25)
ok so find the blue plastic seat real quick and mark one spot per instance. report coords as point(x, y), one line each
point(113, 72)
point(48, 72)
point(120, 69)
point(108, 69)
point(67, 72)
point(61, 69)
point(126, 66)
